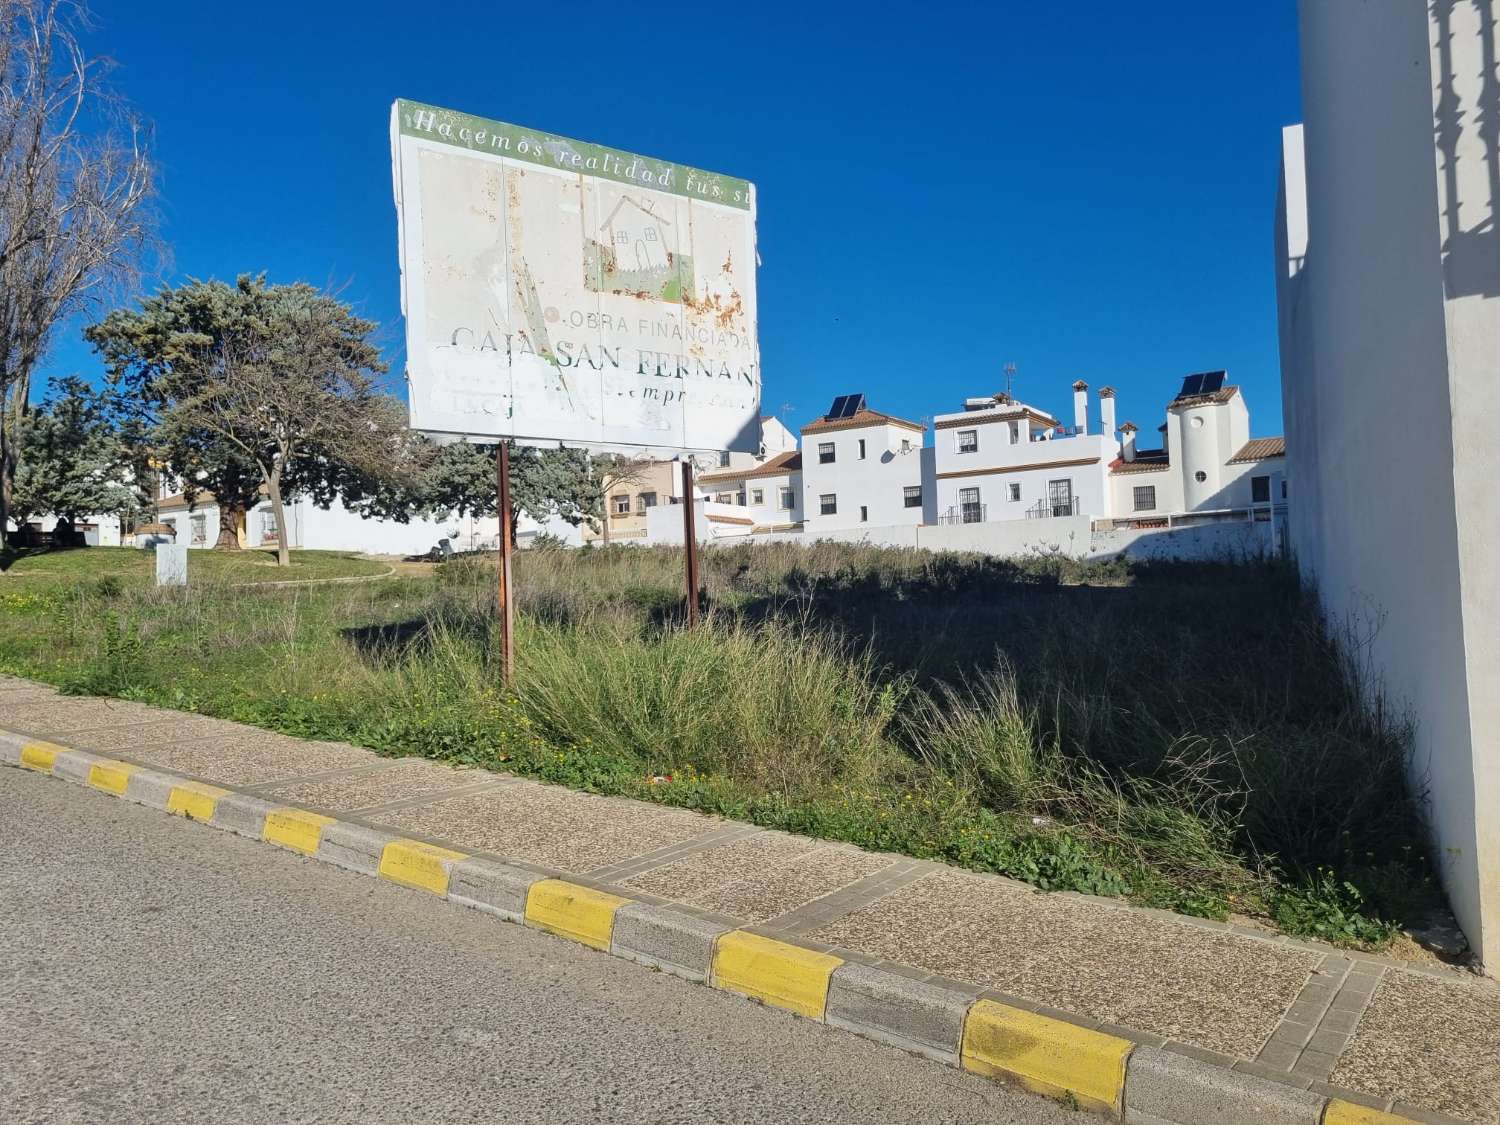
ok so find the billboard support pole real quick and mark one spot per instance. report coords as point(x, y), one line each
point(505, 601)
point(689, 543)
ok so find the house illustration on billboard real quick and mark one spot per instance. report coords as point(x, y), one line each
point(634, 254)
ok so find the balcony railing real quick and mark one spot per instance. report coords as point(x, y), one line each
point(964, 513)
point(1046, 509)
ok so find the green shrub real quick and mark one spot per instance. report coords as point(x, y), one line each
point(1330, 909)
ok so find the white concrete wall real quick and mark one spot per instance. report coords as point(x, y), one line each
point(664, 523)
point(1068, 534)
point(775, 437)
point(1229, 542)
point(1390, 328)
point(1236, 541)
point(1168, 487)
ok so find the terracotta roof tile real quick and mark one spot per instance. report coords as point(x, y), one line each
point(1223, 394)
point(865, 417)
point(1146, 461)
point(777, 466)
point(1258, 449)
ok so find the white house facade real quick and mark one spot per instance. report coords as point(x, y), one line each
point(999, 459)
point(862, 468)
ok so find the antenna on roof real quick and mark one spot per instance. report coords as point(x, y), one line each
point(1010, 378)
point(787, 408)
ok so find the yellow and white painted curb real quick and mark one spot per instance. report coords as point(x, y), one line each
point(1052, 1054)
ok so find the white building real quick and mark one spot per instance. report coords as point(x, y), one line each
point(999, 459)
point(1388, 287)
point(862, 468)
point(1207, 468)
point(770, 492)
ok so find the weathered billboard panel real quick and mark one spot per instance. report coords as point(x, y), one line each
point(556, 290)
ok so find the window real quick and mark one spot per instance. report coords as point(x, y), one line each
point(911, 497)
point(621, 504)
point(757, 496)
point(825, 453)
point(1060, 497)
point(1013, 491)
point(861, 449)
point(1283, 488)
point(739, 498)
point(724, 498)
point(724, 459)
point(788, 500)
point(645, 500)
point(968, 441)
point(906, 445)
point(1260, 490)
point(969, 508)
point(1145, 498)
point(828, 504)
point(268, 528)
point(1015, 433)
point(864, 514)
point(1200, 476)
point(200, 530)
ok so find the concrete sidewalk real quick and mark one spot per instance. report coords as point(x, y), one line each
point(1416, 1041)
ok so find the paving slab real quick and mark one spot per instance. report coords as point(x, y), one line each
point(1431, 1043)
point(1208, 988)
point(246, 756)
point(761, 876)
point(56, 714)
point(170, 728)
point(547, 825)
point(397, 781)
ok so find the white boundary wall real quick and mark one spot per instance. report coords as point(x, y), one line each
point(1068, 535)
point(1389, 292)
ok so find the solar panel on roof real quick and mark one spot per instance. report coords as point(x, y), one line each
point(1213, 381)
point(1192, 385)
point(855, 405)
point(837, 409)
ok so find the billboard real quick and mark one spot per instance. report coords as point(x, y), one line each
point(556, 290)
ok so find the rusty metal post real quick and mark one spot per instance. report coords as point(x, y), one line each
point(505, 601)
point(690, 543)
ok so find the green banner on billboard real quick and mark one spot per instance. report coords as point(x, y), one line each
point(480, 134)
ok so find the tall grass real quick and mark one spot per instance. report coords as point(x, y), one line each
point(1190, 733)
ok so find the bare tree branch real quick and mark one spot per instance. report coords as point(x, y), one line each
point(75, 186)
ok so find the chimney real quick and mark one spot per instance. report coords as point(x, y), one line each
point(1127, 446)
point(1081, 406)
point(1107, 412)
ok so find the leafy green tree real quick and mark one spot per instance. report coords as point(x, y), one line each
point(138, 348)
point(278, 377)
point(72, 461)
point(544, 483)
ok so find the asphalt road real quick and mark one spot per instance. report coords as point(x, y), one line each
point(156, 970)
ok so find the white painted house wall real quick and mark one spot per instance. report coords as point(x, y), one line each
point(875, 482)
point(1389, 296)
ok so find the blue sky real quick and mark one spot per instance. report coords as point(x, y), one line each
point(1084, 190)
